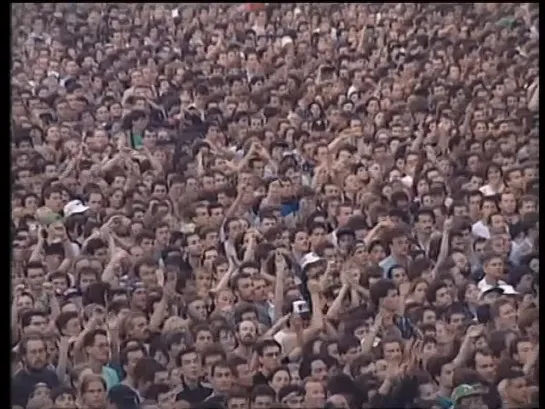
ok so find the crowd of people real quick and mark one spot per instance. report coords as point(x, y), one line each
point(275, 206)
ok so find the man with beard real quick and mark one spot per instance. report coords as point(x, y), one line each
point(246, 336)
point(34, 356)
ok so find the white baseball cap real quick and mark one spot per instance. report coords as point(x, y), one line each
point(504, 289)
point(74, 207)
point(310, 258)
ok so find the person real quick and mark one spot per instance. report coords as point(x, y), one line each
point(274, 205)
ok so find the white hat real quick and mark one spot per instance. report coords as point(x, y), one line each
point(351, 90)
point(285, 41)
point(504, 289)
point(74, 207)
point(310, 258)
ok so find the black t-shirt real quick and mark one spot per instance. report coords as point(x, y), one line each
point(259, 379)
point(194, 395)
point(24, 381)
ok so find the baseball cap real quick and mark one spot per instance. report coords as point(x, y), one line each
point(463, 391)
point(74, 207)
point(124, 397)
point(503, 289)
point(310, 259)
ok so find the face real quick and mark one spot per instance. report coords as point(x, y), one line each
point(191, 366)
point(400, 245)
point(203, 339)
point(280, 379)
point(247, 332)
point(244, 289)
point(399, 275)
point(443, 297)
point(419, 293)
point(392, 352)
point(100, 350)
point(507, 316)
point(377, 254)
point(485, 366)
point(36, 355)
point(95, 395)
point(314, 395)
point(517, 390)
point(222, 379)
point(270, 358)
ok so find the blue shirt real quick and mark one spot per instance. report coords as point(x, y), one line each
point(110, 376)
point(387, 264)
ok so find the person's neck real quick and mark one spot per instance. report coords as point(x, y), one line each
point(193, 261)
point(37, 293)
point(511, 404)
point(444, 391)
point(35, 370)
point(397, 257)
point(423, 236)
point(95, 365)
point(245, 351)
point(190, 383)
point(490, 280)
point(273, 199)
point(129, 381)
point(264, 371)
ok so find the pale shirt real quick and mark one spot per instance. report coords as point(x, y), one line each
point(479, 229)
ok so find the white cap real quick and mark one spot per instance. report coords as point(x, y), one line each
point(376, 341)
point(286, 40)
point(74, 207)
point(505, 289)
point(310, 258)
point(351, 90)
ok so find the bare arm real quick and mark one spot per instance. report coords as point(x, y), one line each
point(158, 315)
point(369, 339)
point(334, 310)
point(224, 281)
point(109, 274)
point(443, 251)
point(36, 255)
point(317, 320)
point(280, 265)
point(63, 359)
point(69, 256)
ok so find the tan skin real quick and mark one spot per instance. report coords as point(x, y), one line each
point(434, 125)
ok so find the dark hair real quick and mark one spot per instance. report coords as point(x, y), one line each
point(435, 365)
point(221, 364)
point(153, 391)
point(380, 290)
point(89, 338)
point(278, 369)
point(346, 342)
point(63, 319)
point(26, 317)
point(306, 364)
point(23, 344)
point(266, 343)
point(145, 369)
point(124, 355)
point(263, 390)
point(435, 286)
point(185, 351)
